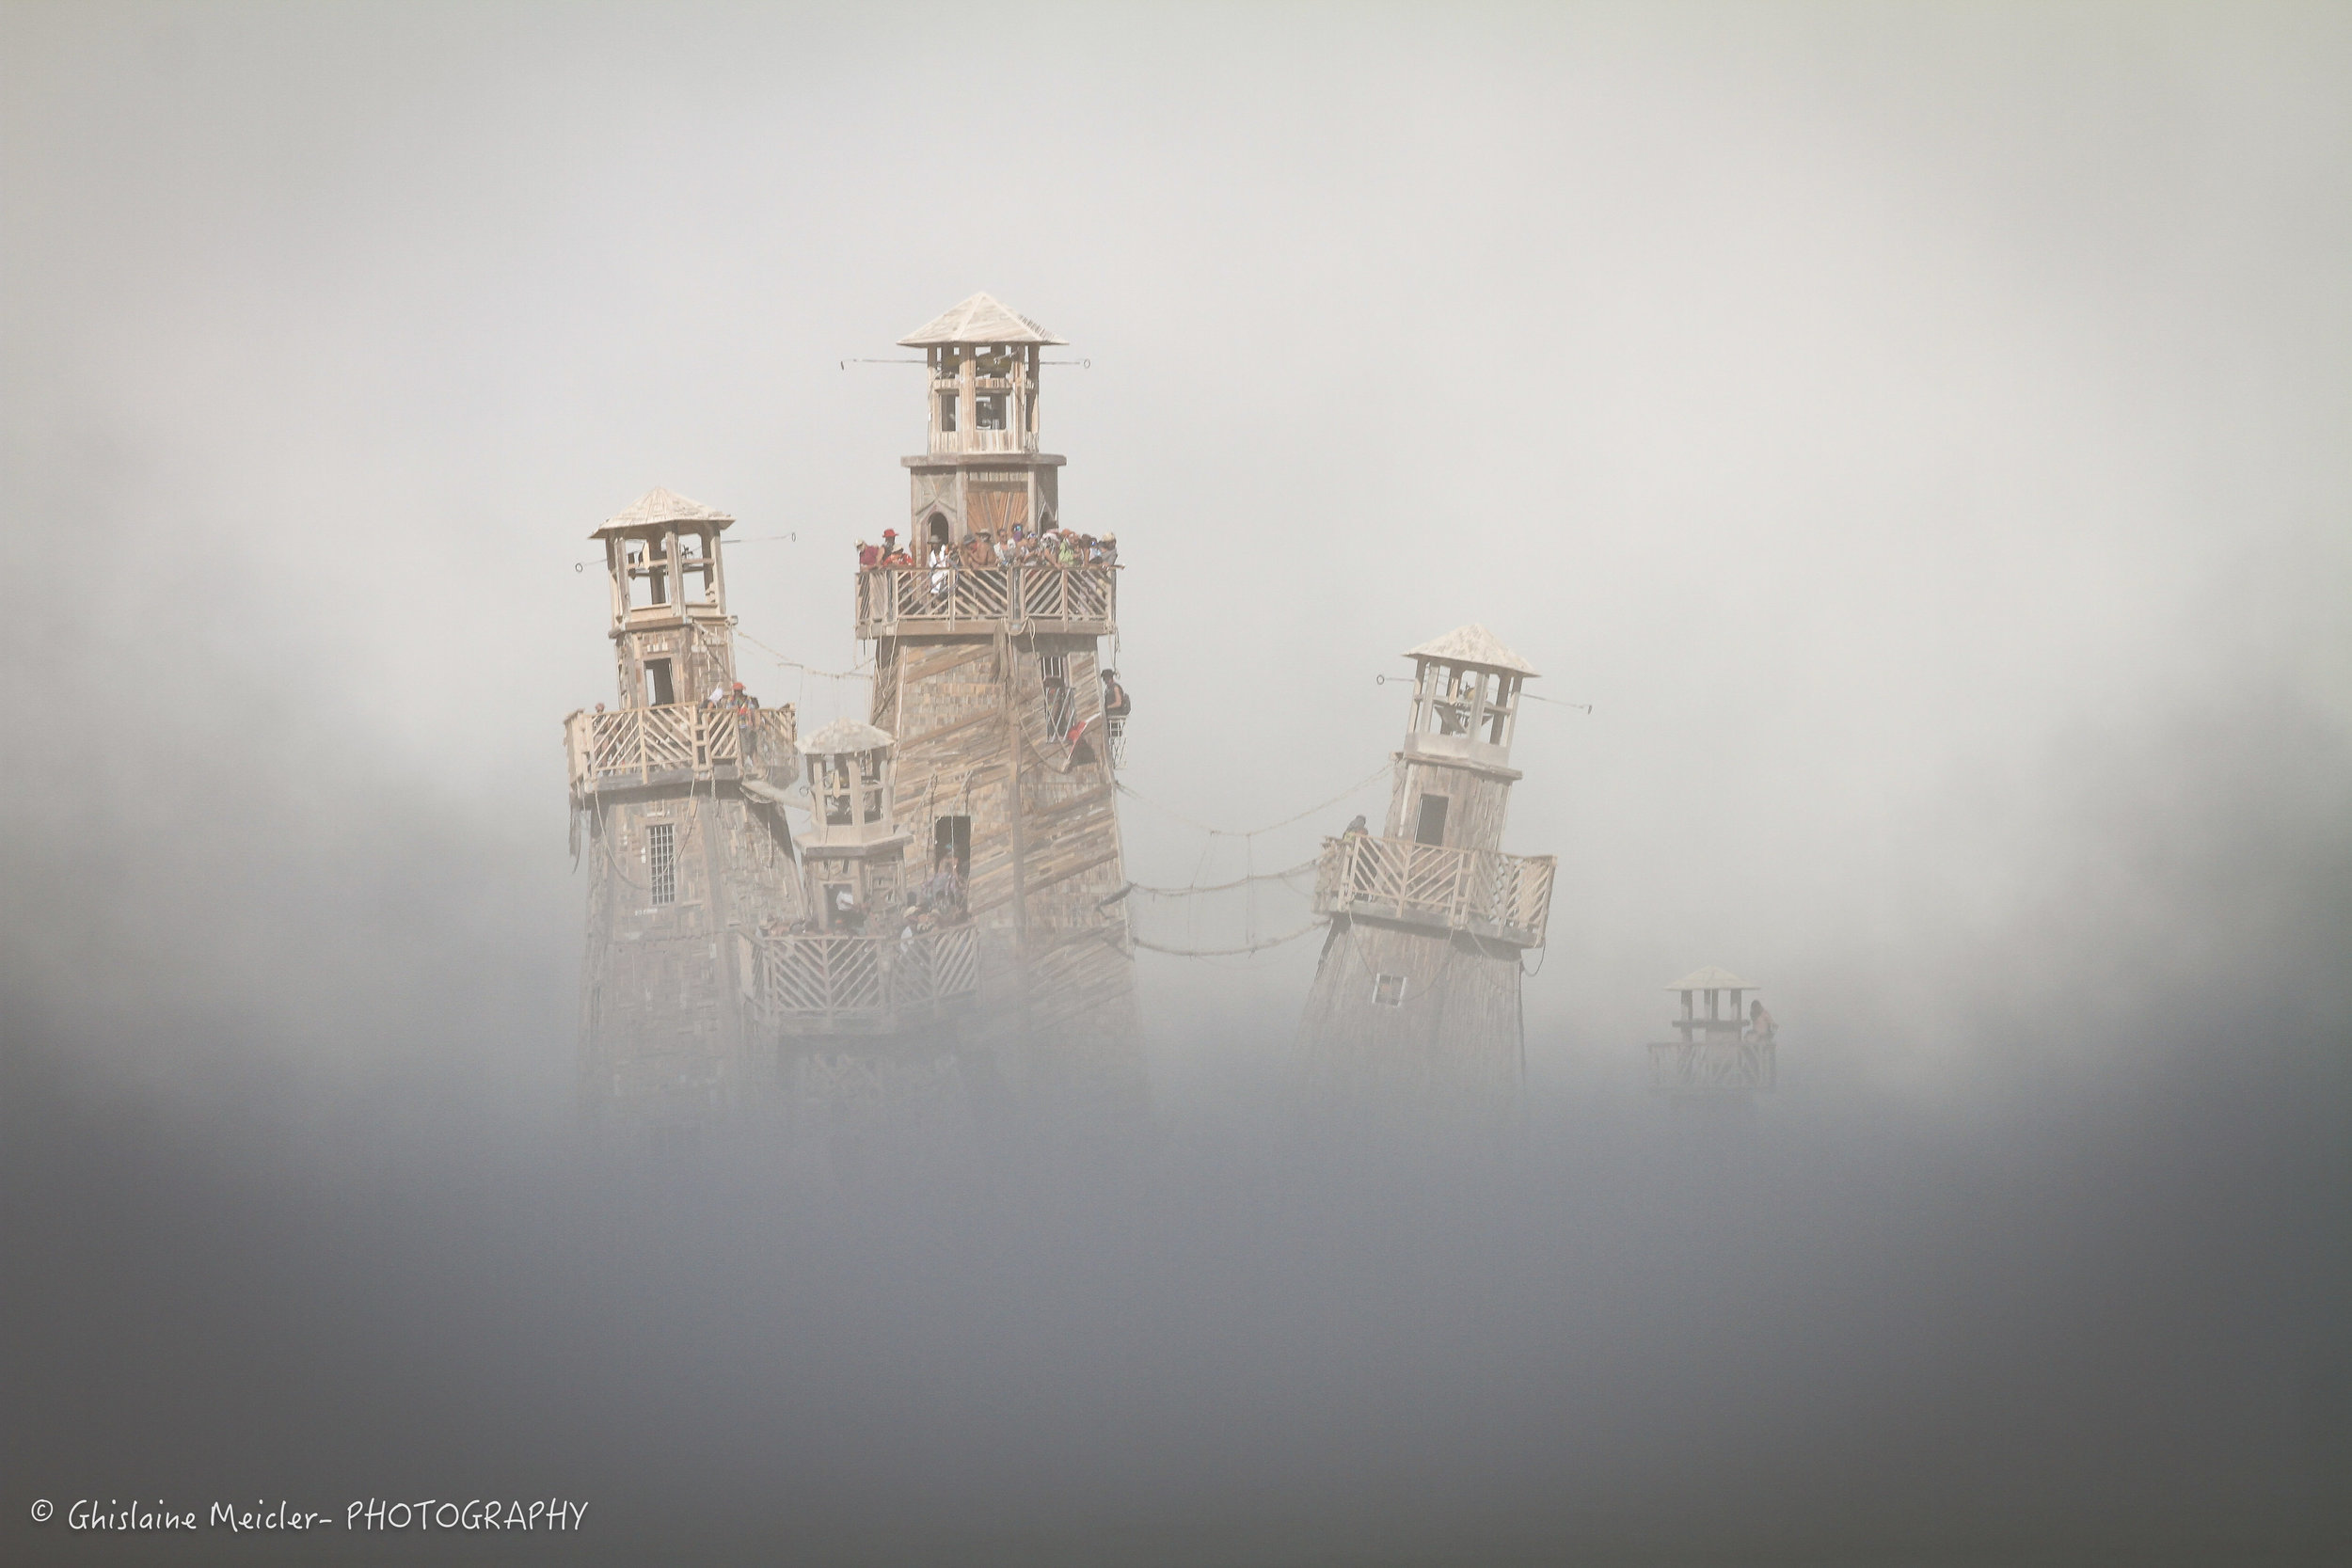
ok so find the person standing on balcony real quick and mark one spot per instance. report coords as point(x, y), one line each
point(868, 556)
point(1761, 1027)
point(1116, 703)
point(1356, 829)
point(746, 708)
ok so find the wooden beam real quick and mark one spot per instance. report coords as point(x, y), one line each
point(1067, 872)
point(929, 737)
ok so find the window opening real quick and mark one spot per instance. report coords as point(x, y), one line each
point(659, 691)
point(661, 861)
point(696, 580)
point(1430, 828)
point(836, 776)
point(1387, 991)
point(939, 528)
point(947, 412)
point(951, 839)
point(1498, 716)
point(989, 412)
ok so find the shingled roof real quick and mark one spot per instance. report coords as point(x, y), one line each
point(658, 505)
point(1472, 644)
point(978, 320)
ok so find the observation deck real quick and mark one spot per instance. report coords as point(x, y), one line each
point(1485, 892)
point(904, 601)
point(637, 748)
point(1715, 1066)
point(819, 983)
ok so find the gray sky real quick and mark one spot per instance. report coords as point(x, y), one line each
point(1859, 407)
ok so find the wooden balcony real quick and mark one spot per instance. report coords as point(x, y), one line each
point(816, 984)
point(1488, 893)
point(679, 742)
point(1713, 1067)
point(903, 601)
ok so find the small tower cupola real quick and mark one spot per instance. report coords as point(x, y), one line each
point(1722, 1049)
point(982, 361)
point(1705, 1017)
point(1466, 697)
point(850, 784)
point(853, 852)
point(669, 596)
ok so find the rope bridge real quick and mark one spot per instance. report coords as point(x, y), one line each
point(1237, 916)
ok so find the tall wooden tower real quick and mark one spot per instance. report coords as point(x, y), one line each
point(987, 636)
point(1417, 994)
point(679, 785)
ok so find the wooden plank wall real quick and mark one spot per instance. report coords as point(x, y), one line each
point(1456, 1033)
point(966, 710)
point(662, 1009)
point(1479, 803)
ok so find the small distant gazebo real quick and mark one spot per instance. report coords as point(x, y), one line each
point(1718, 1051)
point(853, 847)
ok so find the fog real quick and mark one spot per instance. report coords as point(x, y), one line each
point(1917, 435)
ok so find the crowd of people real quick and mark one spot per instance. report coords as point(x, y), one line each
point(1016, 547)
point(937, 901)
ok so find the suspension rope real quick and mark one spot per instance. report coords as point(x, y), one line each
point(1380, 773)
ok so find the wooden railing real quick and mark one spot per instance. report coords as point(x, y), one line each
point(893, 600)
point(816, 984)
point(1713, 1067)
point(634, 745)
point(1484, 891)
point(945, 443)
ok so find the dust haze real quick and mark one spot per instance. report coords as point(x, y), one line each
point(1918, 435)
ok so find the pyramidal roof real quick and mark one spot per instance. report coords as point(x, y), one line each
point(1713, 978)
point(1472, 644)
point(658, 505)
point(845, 734)
point(978, 320)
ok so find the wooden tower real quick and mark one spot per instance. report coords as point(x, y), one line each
point(1417, 993)
point(679, 785)
point(986, 626)
point(865, 1000)
point(1718, 1051)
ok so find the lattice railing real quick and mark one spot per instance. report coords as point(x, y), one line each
point(1482, 890)
point(810, 982)
point(636, 743)
point(892, 597)
point(1713, 1067)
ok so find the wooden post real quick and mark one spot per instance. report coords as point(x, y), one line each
point(1012, 757)
point(967, 411)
